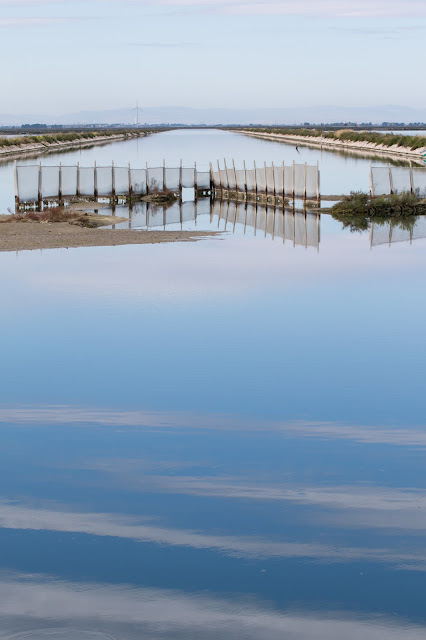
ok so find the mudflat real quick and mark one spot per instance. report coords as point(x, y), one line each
point(26, 236)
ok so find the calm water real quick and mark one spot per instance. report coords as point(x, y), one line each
point(222, 439)
point(340, 172)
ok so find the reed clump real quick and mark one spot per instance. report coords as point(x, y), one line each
point(357, 210)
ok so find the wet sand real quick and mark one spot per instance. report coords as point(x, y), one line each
point(27, 236)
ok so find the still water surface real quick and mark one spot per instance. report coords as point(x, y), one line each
point(341, 172)
point(223, 439)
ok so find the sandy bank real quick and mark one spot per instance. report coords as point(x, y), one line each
point(342, 145)
point(19, 236)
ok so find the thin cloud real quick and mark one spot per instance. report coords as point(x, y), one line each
point(321, 8)
point(37, 22)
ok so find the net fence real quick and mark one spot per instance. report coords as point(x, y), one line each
point(55, 181)
point(387, 180)
point(298, 180)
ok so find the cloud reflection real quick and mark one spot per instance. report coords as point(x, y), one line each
point(72, 415)
point(41, 602)
point(23, 517)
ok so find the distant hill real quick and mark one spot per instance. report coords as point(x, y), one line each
point(187, 115)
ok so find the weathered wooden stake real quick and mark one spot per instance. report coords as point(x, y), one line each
point(16, 186)
point(195, 183)
point(78, 180)
point(180, 181)
point(266, 180)
point(60, 183)
point(255, 184)
point(227, 176)
point(130, 183)
point(164, 175)
point(390, 179)
point(220, 176)
point(147, 178)
point(411, 178)
point(95, 178)
point(40, 186)
point(245, 179)
point(113, 180)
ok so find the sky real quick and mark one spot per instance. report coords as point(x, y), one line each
point(66, 56)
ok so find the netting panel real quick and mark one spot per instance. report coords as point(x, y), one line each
point(223, 179)
point(138, 181)
point(28, 183)
point(216, 179)
point(87, 181)
point(203, 179)
point(261, 180)
point(251, 182)
point(155, 178)
point(121, 180)
point(299, 180)
point(231, 178)
point(270, 179)
point(279, 180)
point(401, 179)
point(311, 181)
point(288, 181)
point(69, 181)
point(381, 181)
point(104, 180)
point(172, 179)
point(49, 182)
point(188, 177)
point(419, 181)
point(241, 183)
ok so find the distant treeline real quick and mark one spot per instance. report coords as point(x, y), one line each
point(387, 139)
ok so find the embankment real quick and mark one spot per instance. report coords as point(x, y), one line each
point(336, 144)
point(38, 145)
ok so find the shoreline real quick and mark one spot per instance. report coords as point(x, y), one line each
point(30, 236)
point(39, 148)
point(400, 153)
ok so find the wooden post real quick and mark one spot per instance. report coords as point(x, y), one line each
point(306, 178)
point(164, 175)
point(235, 177)
point(390, 179)
point(180, 181)
point(40, 186)
point(255, 184)
point(227, 176)
point(78, 180)
point(266, 181)
point(245, 180)
point(130, 183)
point(195, 183)
point(147, 178)
point(113, 180)
point(294, 181)
point(283, 183)
point(211, 180)
point(273, 176)
point(220, 177)
point(16, 186)
point(60, 183)
point(95, 177)
point(318, 183)
point(411, 178)
point(371, 181)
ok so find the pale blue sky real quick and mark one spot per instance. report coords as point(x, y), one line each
point(64, 56)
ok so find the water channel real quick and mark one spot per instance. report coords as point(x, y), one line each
point(217, 439)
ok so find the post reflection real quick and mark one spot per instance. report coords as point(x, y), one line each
point(296, 227)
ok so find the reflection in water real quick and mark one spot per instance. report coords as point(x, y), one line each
point(128, 613)
point(405, 230)
point(290, 225)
